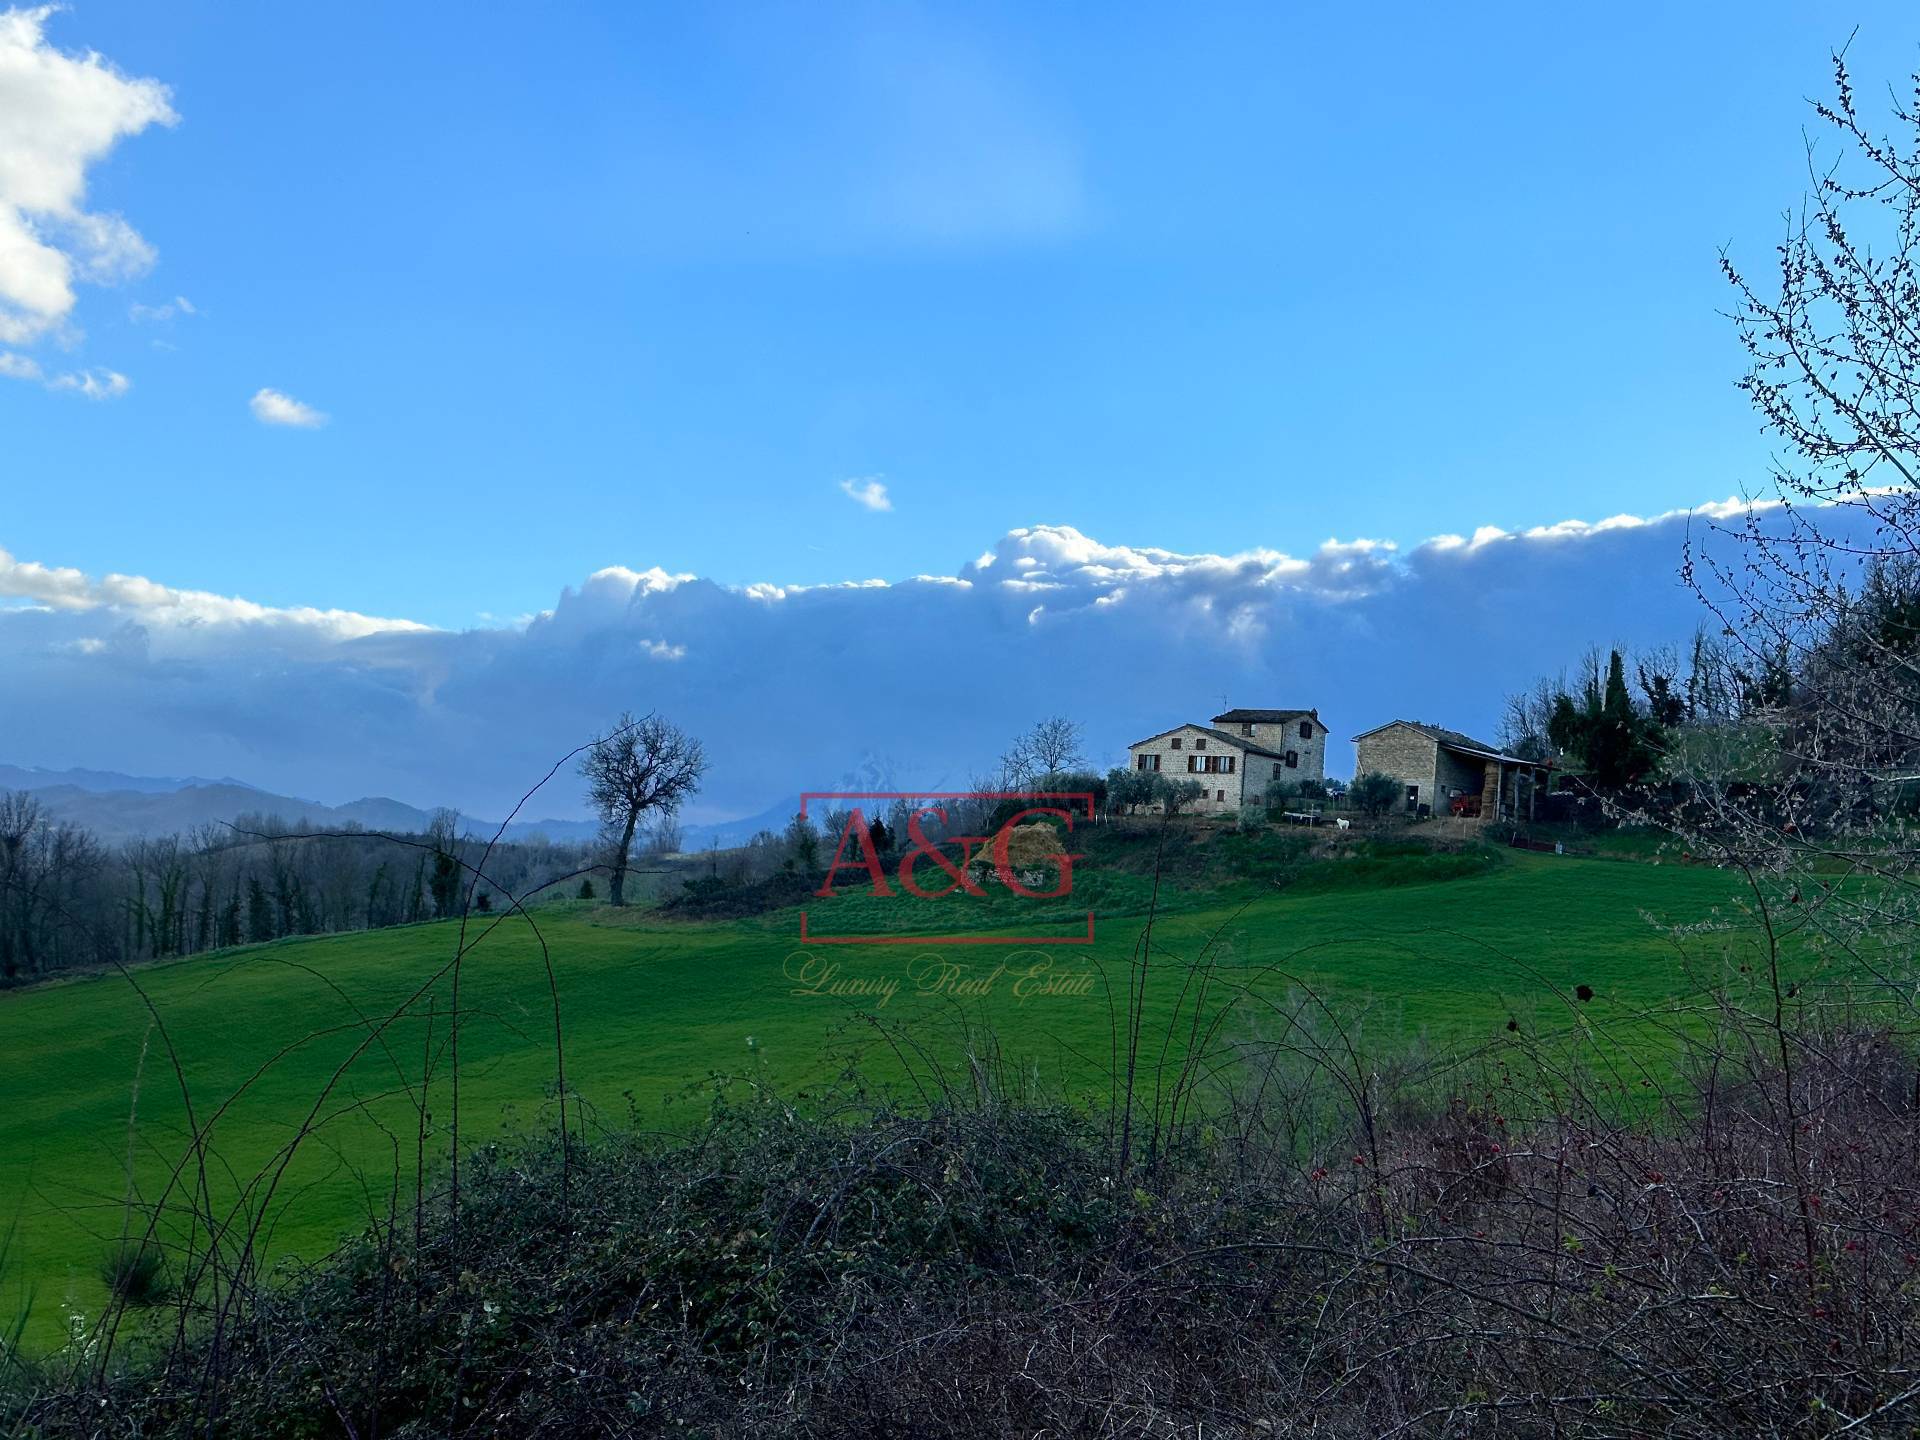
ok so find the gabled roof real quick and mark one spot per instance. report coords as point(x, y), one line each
point(1453, 740)
point(1236, 741)
point(1264, 717)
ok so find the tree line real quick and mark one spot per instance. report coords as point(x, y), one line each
point(68, 899)
point(1831, 716)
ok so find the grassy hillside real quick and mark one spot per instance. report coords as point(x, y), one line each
point(653, 1008)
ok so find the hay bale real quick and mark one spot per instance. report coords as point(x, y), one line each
point(1032, 847)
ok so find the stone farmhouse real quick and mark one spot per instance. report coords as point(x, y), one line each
point(1446, 773)
point(1238, 755)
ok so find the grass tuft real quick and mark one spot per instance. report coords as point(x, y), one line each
point(135, 1274)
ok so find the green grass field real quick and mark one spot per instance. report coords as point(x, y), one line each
point(1448, 949)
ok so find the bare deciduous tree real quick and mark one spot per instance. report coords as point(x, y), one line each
point(1816, 591)
point(46, 868)
point(640, 767)
point(1048, 748)
point(663, 837)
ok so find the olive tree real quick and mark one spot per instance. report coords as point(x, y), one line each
point(1374, 792)
point(1175, 795)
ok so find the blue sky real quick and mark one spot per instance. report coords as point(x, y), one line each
point(389, 396)
point(580, 286)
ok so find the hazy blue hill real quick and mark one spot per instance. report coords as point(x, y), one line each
point(33, 777)
point(724, 833)
point(127, 814)
point(120, 807)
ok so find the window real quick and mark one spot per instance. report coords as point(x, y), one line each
point(1293, 759)
point(1176, 742)
point(1246, 727)
point(1199, 743)
point(1148, 762)
point(1228, 767)
point(1193, 763)
point(1277, 767)
point(1306, 729)
point(1220, 795)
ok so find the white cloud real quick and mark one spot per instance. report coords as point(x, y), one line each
point(59, 114)
point(94, 384)
point(271, 407)
point(162, 313)
point(135, 597)
point(868, 491)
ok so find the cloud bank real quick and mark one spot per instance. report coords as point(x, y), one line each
point(187, 614)
point(59, 115)
point(792, 686)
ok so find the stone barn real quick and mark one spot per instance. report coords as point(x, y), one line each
point(1443, 772)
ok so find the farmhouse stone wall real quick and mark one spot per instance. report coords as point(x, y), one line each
point(1286, 736)
point(1416, 759)
point(1247, 784)
point(1252, 774)
point(1313, 753)
point(1406, 755)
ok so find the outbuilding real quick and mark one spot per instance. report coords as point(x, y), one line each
point(1443, 772)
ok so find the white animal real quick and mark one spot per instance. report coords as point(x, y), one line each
point(1344, 824)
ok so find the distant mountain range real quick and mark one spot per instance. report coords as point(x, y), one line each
point(32, 777)
point(119, 807)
